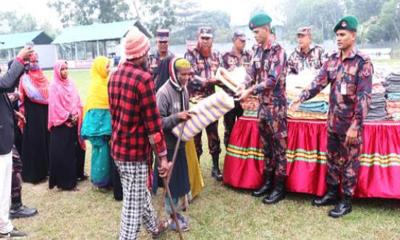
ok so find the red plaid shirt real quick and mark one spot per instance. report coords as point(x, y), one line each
point(135, 116)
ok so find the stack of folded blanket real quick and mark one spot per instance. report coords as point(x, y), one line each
point(316, 108)
point(377, 110)
point(392, 85)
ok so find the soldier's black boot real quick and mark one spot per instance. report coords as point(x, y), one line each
point(216, 172)
point(265, 188)
point(330, 198)
point(278, 193)
point(342, 208)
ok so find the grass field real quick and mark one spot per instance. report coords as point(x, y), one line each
point(219, 212)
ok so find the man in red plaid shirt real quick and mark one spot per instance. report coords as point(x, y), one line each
point(136, 124)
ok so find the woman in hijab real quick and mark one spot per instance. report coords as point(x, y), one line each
point(67, 149)
point(34, 105)
point(96, 125)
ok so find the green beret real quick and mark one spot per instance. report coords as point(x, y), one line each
point(347, 23)
point(259, 20)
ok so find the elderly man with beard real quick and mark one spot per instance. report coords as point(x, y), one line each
point(205, 63)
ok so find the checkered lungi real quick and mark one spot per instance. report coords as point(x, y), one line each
point(137, 205)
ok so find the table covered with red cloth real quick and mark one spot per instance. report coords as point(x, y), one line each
point(379, 174)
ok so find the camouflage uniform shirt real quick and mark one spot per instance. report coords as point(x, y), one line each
point(268, 71)
point(230, 61)
point(298, 60)
point(350, 94)
point(154, 62)
point(205, 68)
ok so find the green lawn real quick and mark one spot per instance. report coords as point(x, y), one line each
point(218, 213)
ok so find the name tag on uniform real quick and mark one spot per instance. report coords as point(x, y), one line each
point(343, 88)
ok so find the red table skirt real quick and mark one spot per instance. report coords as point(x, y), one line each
point(379, 174)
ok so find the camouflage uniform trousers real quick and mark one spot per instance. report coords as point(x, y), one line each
point(274, 146)
point(343, 163)
point(213, 141)
point(229, 121)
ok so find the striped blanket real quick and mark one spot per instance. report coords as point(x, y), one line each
point(205, 112)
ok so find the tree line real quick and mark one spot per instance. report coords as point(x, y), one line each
point(379, 19)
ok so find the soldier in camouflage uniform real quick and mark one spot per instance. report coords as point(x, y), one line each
point(205, 63)
point(237, 57)
point(305, 55)
point(350, 74)
point(267, 79)
point(162, 39)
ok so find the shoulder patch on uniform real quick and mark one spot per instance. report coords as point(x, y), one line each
point(276, 46)
point(364, 56)
point(333, 54)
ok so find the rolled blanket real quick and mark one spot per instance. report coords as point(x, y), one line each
point(205, 112)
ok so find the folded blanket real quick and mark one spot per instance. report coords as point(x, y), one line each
point(377, 112)
point(251, 103)
point(393, 96)
point(316, 107)
point(393, 88)
point(292, 94)
point(306, 115)
point(313, 106)
point(395, 116)
point(378, 88)
point(393, 104)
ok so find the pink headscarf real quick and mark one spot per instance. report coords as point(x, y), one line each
point(34, 84)
point(63, 99)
